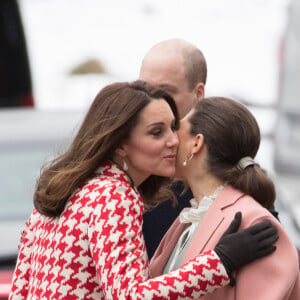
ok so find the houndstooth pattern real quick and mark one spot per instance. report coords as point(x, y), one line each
point(96, 250)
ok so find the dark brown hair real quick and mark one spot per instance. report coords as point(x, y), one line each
point(112, 116)
point(230, 133)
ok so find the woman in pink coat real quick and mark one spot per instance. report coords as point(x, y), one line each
point(219, 139)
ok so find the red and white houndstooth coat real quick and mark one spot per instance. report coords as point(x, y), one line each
point(96, 250)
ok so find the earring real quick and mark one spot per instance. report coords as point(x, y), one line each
point(187, 159)
point(125, 167)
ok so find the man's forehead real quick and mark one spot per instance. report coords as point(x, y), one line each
point(168, 87)
point(165, 74)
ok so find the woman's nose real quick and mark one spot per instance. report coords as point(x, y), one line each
point(173, 140)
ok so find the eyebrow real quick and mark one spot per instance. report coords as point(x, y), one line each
point(168, 87)
point(155, 124)
point(159, 123)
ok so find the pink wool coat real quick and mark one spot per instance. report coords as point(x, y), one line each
point(275, 277)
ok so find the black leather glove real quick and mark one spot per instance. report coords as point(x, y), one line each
point(237, 249)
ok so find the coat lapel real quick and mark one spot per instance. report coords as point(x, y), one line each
point(165, 248)
point(211, 222)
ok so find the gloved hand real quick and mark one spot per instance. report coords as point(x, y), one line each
point(237, 249)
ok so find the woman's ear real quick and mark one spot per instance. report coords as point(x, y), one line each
point(121, 151)
point(198, 143)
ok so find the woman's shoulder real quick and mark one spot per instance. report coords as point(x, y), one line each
point(252, 211)
point(102, 182)
point(101, 187)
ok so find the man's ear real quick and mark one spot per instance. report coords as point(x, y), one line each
point(198, 143)
point(200, 91)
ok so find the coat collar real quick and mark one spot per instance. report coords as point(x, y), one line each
point(165, 249)
point(111, 169)
point(212, 220)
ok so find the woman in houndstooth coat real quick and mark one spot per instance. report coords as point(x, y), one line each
point(84, 238)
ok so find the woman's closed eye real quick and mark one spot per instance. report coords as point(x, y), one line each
point(161, 128)
point(156, 132)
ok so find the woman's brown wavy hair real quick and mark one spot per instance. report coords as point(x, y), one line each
point(112, 116)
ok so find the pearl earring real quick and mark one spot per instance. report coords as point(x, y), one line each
point(187, 159)
point(125, 167)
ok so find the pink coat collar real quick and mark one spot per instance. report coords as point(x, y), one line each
point(213, 218)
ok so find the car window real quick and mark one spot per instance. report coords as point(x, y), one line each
point(20, 167)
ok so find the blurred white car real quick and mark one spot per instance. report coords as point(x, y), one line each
point(28, 138)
